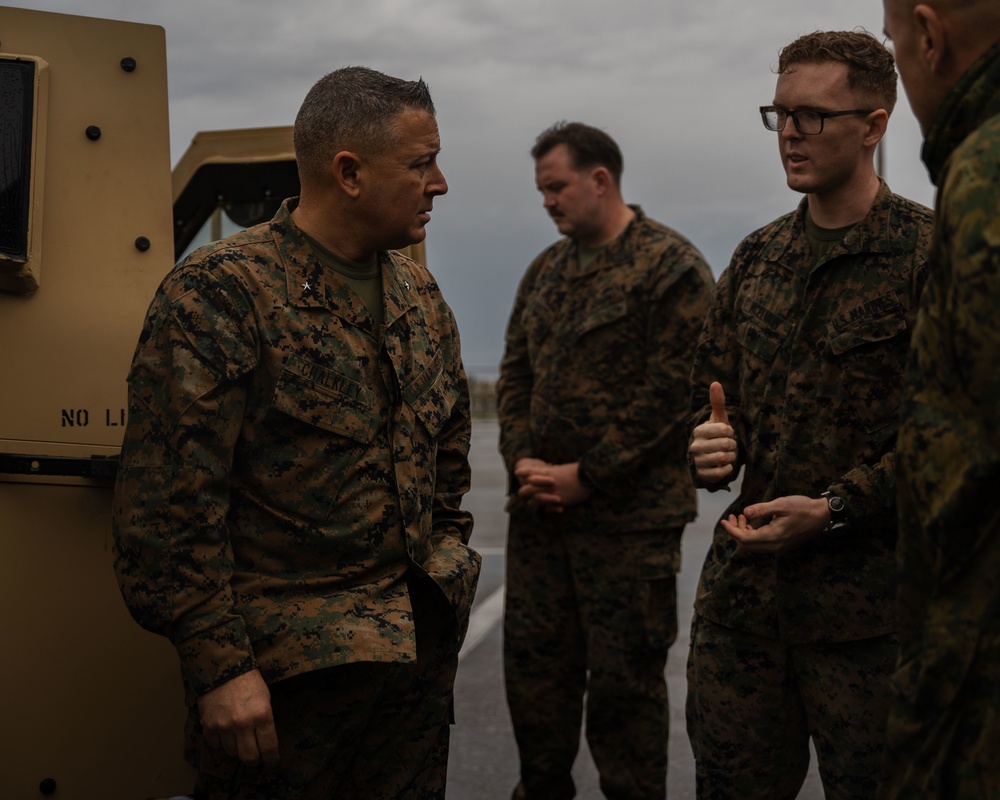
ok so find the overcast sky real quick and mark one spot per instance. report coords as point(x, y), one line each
point(676, 82)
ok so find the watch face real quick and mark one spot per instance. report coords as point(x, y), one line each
point(837, 504)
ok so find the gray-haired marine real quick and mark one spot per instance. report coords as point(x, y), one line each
point(944, 723)
point(288, 510)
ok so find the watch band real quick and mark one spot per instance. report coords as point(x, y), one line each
point(838, 512)
point(584, 478)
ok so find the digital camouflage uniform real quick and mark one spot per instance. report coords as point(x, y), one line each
point(944, 726)
point(596, 370)
point(287, 471)
point(810, 355)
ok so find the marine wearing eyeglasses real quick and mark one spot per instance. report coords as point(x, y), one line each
point(797, 382)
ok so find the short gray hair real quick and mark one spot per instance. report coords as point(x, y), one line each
point(354, 108)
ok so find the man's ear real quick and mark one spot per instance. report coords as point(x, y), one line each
point(932, 38)
point(346, 166)
point(602, 179)
point(877, 123)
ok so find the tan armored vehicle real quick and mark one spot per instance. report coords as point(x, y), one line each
point(90, 221)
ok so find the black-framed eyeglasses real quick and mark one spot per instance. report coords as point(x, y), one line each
point(807, 122)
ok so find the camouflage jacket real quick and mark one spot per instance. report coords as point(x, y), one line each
point(949, 459)
point(597, 369)
point(811, 360)
point(281, 471)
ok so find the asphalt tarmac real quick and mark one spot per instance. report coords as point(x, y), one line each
point(483, 763)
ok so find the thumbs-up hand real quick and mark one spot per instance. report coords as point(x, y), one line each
point(713, 443)
point(717, 397)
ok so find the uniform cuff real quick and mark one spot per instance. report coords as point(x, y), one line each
point(216, 656)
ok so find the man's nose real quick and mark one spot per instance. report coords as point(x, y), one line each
point(437, 185)
point(791, 130)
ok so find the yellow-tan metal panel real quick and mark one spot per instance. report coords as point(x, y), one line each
point(91, 704)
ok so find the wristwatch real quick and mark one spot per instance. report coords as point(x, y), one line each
point(838, 512)
point(584, 478)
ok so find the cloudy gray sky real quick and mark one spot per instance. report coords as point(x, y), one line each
point(676, 82)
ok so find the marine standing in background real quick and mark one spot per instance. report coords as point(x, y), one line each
point(288, 510)
point(797, 381)
point(944, 724)
point(593, 394)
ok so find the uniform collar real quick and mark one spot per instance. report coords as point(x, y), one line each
point(620, 250)
point(878, 232)
point(971, 101)
point(311, 285)
point(397, 286)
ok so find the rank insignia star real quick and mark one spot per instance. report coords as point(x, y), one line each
point(306, 287)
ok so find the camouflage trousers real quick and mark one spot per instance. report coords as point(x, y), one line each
point(596, 604)
point(753, 704)
point(378, 731)
point(944, 725)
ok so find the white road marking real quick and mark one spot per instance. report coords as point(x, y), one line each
point(490, 551)
point(483, 619)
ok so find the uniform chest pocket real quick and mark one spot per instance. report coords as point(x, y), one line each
point(868, 349)
point(878, 320)
point(760, 331)
point(607, 313)
point(326, 400)
point(432, 397)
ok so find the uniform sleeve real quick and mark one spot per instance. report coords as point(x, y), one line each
point(173, 556)
point(452, 469)
point(658, 410)
point(870, 489)
point(716, 358)
point(955, 409)
point(516, 379)
point(973, 217)
point(454, 564)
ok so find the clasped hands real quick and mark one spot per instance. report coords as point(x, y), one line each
point(549, 487)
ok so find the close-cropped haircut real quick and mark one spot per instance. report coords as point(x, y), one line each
point(354, 108)
point(587, 146)
point(871, 69)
